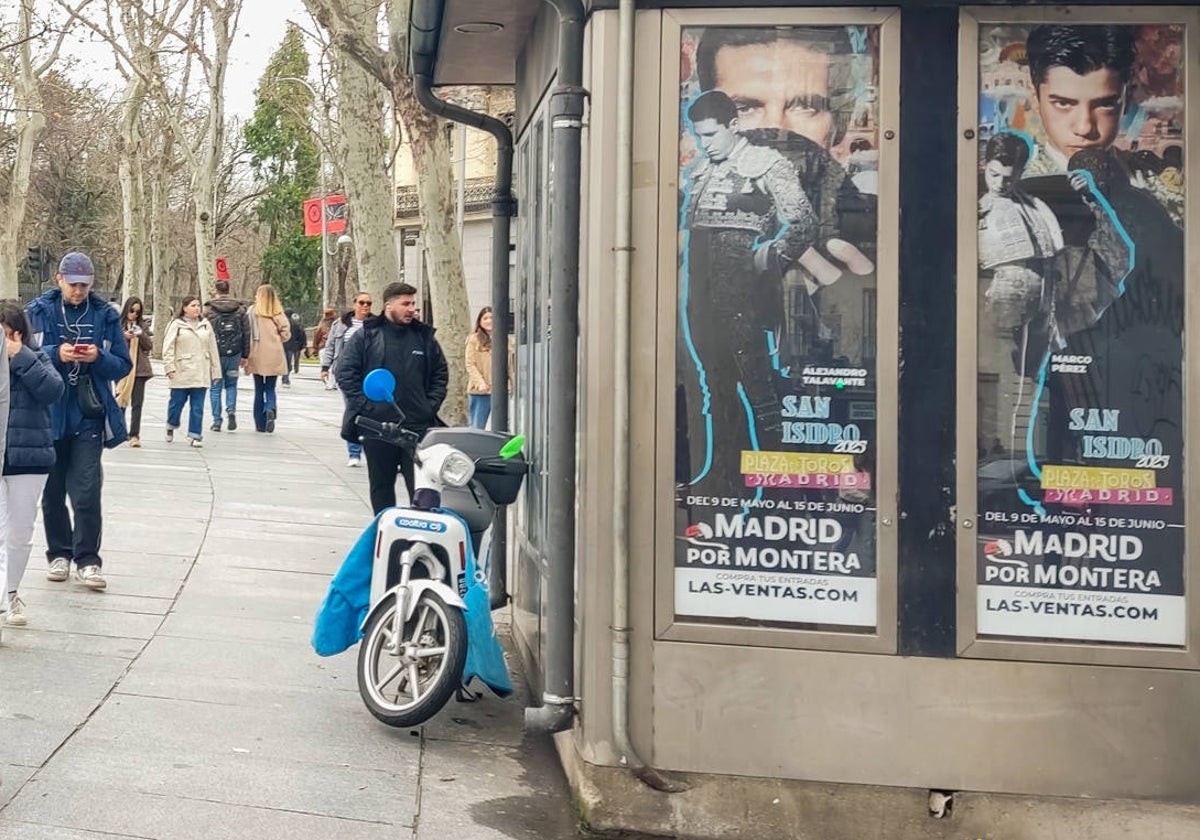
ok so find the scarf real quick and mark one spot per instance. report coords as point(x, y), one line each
point(125, 386)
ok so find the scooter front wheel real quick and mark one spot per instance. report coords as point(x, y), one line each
point(406, 677)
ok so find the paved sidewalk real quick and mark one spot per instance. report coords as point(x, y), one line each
point(185, 702)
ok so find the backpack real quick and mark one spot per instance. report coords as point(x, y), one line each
point(299, 339)
point(229, 328)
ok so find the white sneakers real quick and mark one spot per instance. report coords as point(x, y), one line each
point(354, 462)
point(89, 576)
point(16, 612)
point(195, 443)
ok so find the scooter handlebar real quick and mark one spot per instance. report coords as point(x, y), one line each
point(387, 431)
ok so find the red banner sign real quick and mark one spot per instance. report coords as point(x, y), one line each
point(335, 215)
point(222, 269)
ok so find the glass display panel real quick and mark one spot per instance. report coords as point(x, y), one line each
point(1081, 263)
point(775, 387)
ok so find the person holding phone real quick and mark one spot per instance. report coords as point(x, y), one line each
point(82, 335)
point(131, 391)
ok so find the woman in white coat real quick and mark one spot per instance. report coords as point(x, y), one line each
point(192, 363)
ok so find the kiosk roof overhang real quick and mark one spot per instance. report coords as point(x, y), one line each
point(469, 42)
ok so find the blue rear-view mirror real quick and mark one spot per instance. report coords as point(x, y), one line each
point(379, 386)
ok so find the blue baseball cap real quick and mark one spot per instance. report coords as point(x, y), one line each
point(76, 267)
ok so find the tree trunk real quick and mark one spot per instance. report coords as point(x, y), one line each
point(160, 306)
point(443, 249)
point(363, 148)
point(133, 192)
point(28, 128)
point(359, 39)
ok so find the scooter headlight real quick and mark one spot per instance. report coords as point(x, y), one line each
point(457, 469)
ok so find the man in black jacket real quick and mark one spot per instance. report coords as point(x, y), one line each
point(405, 346)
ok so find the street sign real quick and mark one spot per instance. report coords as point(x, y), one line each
point(335, 215)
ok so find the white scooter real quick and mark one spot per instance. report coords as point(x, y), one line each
point(414, 645)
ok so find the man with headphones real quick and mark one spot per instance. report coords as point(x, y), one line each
point(82, 335)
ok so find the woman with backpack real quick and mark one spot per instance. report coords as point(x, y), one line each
point(192, 363)
point(33, 385)
point(294, 346)
point(269, 332)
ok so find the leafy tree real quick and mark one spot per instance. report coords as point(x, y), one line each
point(284, 159)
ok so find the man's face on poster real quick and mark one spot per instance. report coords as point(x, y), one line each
point(1080, 112)
point(715, 139)
point(781, 85)
point(998, 177)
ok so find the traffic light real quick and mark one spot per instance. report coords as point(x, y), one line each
point(34, 262)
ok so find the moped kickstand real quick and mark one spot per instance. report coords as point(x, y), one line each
point(465, 695)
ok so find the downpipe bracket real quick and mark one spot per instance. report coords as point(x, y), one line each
point(556, 714)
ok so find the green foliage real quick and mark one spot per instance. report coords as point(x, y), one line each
point(285, 161)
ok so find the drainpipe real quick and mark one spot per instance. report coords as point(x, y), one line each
point(566, 121)
point(504, 207)
point(622, 271)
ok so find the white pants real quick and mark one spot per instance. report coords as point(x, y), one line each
point(19, 496)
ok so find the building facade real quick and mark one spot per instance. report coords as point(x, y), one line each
point(907, 512)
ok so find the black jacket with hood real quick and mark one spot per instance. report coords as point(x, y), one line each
point(225, 306)
point(421, 380)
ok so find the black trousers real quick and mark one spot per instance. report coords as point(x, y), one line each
point(383, 460)
point(135, 406)
point(76, 474)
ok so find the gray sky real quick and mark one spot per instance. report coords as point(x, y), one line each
point(260, 30)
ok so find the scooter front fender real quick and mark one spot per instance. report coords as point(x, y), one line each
point(415, 590)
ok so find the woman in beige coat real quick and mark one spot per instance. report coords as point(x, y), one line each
point(192, 362)
point(267, 362)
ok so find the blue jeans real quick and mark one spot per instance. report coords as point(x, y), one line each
point(354, 449)
point(195, 399)
point(76, 472)
point(264, 399)
point(480, 409)
point(228, 381)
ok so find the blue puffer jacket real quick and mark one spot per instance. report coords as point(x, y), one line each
point(47, 315)
point(34, 385)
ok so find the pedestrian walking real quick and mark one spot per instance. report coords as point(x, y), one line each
point(479, 369)
point(228, 319)
point(321, 333)
point(82, 335)
point(339, 333)
point(131, 391)
point(407, 348)
point(294, 346)
point(192, 362)
point(269, 331)
point(33, 386)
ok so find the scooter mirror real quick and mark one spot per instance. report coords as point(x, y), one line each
point(513, 447)
point(379, 386)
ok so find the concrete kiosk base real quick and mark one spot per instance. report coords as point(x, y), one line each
point(612, 800)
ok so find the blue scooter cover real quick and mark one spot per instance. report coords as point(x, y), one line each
point(342, 612)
